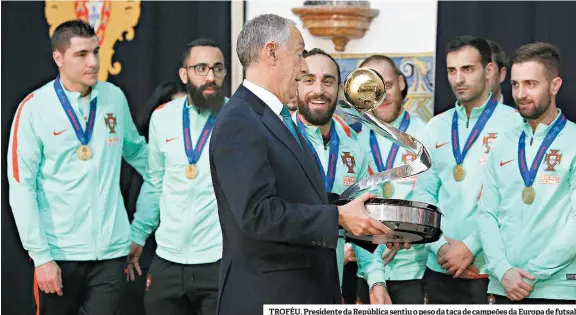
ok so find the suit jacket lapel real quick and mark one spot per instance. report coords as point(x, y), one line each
point(317, 169)
point(307, 160)
point(304, 155)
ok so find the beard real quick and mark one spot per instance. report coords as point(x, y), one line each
point(535, 111)
point(314, 117)
point(212, 102)
point(392, 111)
point(474, 92)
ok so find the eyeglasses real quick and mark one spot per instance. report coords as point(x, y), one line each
point(202, 69)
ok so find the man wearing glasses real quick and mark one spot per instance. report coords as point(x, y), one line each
point(183, 277)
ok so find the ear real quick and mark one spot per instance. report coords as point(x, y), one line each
point(270, 53)
point(555, 85)
point(58, 58)
point(183, 74)
point(489, 70)
point(503, 72)
point(401, 82)
point(341, 92)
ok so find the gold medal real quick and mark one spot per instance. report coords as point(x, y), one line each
point(388, 190)
point(528, 195)
point(84, 153)
point(458, 172)
point(191, 171)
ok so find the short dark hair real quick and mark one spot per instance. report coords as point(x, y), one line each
point(467, 40)
point(64, 32)
point(545, 53)
point(200, 42)
point(382, 58)
point(318, 51)
point(498, 54)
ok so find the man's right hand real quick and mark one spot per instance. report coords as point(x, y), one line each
point(379, 295)
point(514, 285)
point(49, 278)
point(469, 273)
point(133, 261)
point(354, 218)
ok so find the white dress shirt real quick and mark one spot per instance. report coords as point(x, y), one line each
point(266, 96)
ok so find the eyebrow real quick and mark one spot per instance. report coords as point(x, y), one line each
point(525, 80)
point(464, 66)
point(86, 50)
point(326, 76)
point(219, 63)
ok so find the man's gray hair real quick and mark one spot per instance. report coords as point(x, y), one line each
point(257, 32)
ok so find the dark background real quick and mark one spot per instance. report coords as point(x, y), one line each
point(511, 24)
point(153, 56)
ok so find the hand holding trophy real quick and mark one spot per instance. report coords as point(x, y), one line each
point(410, 221)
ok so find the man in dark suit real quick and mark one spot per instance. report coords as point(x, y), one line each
point(279, 233)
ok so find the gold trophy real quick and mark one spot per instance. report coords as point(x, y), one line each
point(410, 221)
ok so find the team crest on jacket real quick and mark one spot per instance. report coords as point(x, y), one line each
point(552, 158)
point(349, 161)
point(487, 142)
point(110, 121)
point(408, 157)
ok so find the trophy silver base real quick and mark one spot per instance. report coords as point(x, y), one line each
point(410, 221)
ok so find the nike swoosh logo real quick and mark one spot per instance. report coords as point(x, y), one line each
point(170, 139)
point(438, 146)
point(57, 133)
point(504, 163)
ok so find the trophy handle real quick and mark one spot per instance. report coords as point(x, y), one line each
point(421, 164)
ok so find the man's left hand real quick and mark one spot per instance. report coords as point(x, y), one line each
point(470, 273)
point(458, 258)
point(398, 245)
point(388, 255)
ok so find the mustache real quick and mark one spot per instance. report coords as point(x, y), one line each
point(319, 97)
point(212, 102)
point(209, 85)
point(524, 100)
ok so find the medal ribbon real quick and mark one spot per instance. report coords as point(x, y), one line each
point(528, 175)
point(193, 154)
point(474, 134)
point(330, 175)
point(375, 148)
point(83, 136)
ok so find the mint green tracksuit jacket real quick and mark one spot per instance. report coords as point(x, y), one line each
point(66, 208)
point(458, 201)
point(184, 210)
point(539, 238)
